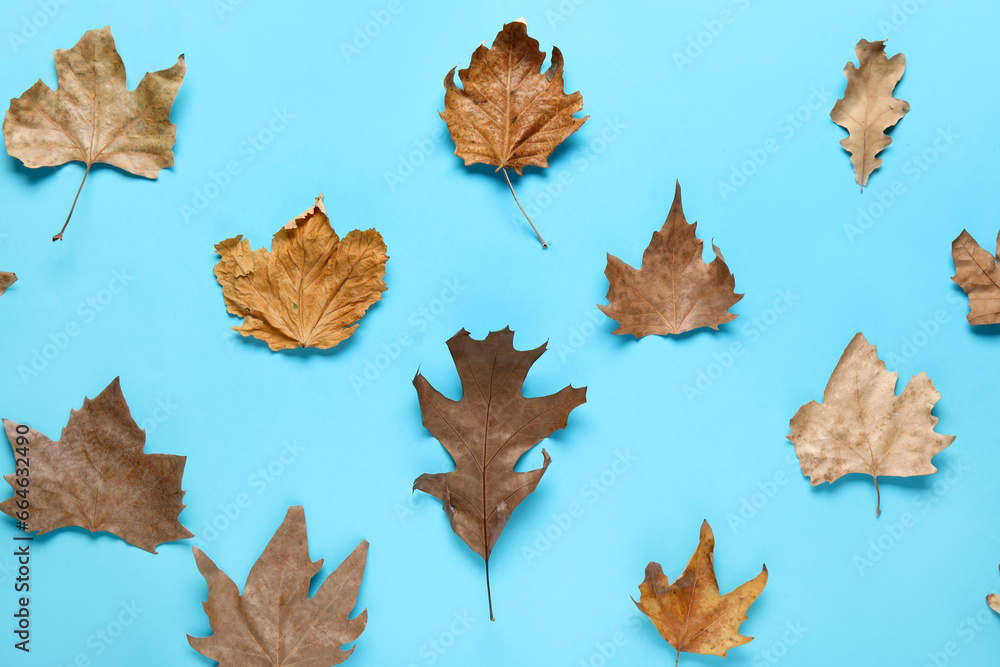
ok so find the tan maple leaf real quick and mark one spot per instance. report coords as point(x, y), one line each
point(6, 280)
point(275, 623)
point(486, 432)
point(674, 290)
point(863, 427)
point(690, 613)
point(868, 108)
point(93, 117)
point(310, 290)
point(977, 273)
point(97, 476)
point(508, 113)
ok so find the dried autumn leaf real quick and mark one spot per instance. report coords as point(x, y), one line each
point(977, 273)
point(994, 601)
point(310, 290)
point(868, 108)
point(6, 280)
point(674, 290)
point(690, 614)
point(486, 432)
point(93, 117)
point(97, 476)
point(508, 113)
point(275, 623)
point(863, 427)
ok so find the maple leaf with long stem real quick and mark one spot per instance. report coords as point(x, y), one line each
point(92, 116)
point(509, 113)
point(486, 432)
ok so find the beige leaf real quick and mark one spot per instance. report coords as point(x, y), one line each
point(93, 117)
point(6, 280)
point(310, 290)
point(977, 273)
point(868, 108)
point(863, 427)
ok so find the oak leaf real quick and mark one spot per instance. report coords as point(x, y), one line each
point(690, 613)
point(310, 290)
point(275, 623)
point(674, 290)
point(863, 427)
point(97, 476)
point(868, 108)
point(508, 113)
point(486, 432)
point(6, 280)
point(92, 116)
point(977, 273)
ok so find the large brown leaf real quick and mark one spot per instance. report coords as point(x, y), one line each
point(97, 476)
point(486, 432)
point(868, 108)
point(93, 117)
point(690, 614)
point(310, 290)
point(509, 113)
point(6, 280)
point(674, 290)
point(977, 273)
point(863, 427)
point(275, 623)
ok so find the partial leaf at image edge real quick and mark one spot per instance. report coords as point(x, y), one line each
point(977, 273)
point(6, 280)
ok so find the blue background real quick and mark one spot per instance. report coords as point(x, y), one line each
point(703, 432)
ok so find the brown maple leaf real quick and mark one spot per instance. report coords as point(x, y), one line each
point(6, 280)
point(97, 476)
point(93, 117)
point(508, 113)
point(977, 273)
point(674, 290)
point(868, 108)
point(863, 427)
point(275, 623)
point(486, 432)
point(310, 290)
point(690, 614)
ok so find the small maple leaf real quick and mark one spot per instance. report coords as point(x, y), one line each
point(674, 290)
point(868, 108)
point(690, 614)
point(310, 290)
point(863, 427)
point(486, 432)
point(508, 113)
point(93, 117)
point(977, 273)
point(6, 280)
point(97, 476)
point(275, 623)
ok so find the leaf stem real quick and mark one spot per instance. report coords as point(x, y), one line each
point(489, 596)
point(677, 661)
point(58, 237)
point(878, 496)
point(535, 229)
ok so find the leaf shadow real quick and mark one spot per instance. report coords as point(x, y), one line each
point(299, 352)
